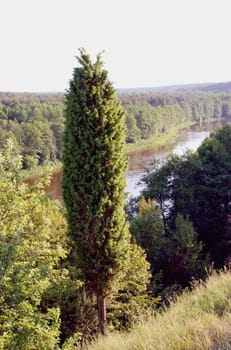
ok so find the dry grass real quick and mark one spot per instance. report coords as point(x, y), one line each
point(198, 320)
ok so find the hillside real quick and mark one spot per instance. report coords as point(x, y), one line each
point(198, 320)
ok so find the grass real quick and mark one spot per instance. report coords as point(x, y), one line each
point(198, 320)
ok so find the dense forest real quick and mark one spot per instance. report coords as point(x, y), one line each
point(182, 218)
point(152, 114)
point(36, 121)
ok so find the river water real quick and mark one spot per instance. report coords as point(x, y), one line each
point(139, 162)
point(142, 160)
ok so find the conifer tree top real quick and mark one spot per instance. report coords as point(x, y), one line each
point(93, 173)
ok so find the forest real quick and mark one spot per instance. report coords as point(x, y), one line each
point(36, 121)
point(184, 213)
point(72, 270)
point(179, 227)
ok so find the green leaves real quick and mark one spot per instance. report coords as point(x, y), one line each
point(198, 185)
point(32, 232)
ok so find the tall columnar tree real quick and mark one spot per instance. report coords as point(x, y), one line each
point(93, 178)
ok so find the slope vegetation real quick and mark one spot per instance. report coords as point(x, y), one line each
point(198, 320)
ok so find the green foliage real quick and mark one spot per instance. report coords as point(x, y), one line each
point(32, 245)
point(42, 302)
point(130, 303)
point(133, 132)
point(35, 122)
point(93, 176)
point(174, 253)
point(152, 114)
point(148, 230)
point(80, 317)
point(198, 186)
point(185, 260)
point(187, 246)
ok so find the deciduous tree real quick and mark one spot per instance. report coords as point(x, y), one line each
point(33, 242)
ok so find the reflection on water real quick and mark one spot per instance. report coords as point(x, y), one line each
point(55, 189)
point(139, 161)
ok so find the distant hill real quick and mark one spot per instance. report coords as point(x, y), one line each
point(202, 87)
point(219, 87)
point(224, 87)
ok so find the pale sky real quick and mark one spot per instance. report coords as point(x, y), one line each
point(145, 42)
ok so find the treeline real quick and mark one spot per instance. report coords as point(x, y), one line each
point(36, 121)
point(151, 114)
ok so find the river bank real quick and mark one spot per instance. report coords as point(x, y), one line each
point(142, 157)
point(188, 138)
point(157, 141)
point(143, 145)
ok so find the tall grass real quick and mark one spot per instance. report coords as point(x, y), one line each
point(198, 320)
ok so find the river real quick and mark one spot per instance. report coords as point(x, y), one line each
point(142, 160)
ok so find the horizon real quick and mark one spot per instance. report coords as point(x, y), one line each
point(124, 88)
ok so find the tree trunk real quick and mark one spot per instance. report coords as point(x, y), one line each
point(101, 300)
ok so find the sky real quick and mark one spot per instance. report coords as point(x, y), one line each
point(145, 43)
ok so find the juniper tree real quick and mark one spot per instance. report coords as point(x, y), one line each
point(93, 178)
